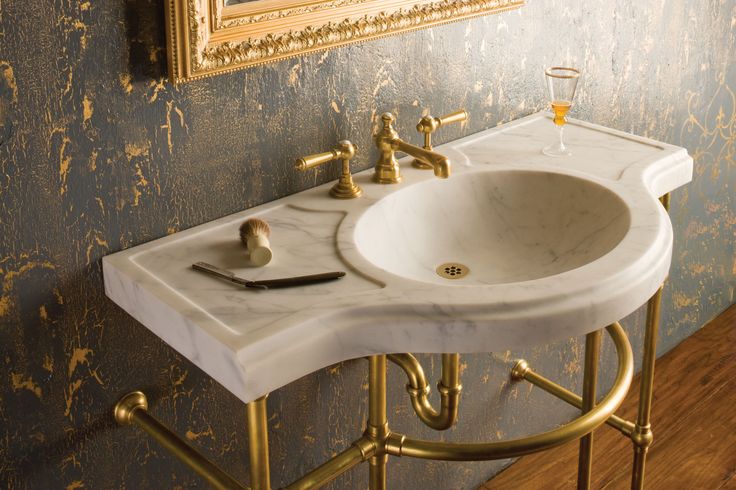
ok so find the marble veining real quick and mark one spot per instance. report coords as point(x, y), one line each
point(581, 243)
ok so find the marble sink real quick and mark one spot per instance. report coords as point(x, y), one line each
point(501, 226)
point(541, 249)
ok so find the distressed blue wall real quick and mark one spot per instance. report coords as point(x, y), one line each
point(99, 153)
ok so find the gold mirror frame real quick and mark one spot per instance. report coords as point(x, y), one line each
point(205, 38)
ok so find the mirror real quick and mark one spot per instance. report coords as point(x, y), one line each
point(207, 37)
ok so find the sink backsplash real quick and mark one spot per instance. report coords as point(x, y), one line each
point(98, 153)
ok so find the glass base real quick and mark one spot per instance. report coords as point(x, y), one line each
point(556, 150)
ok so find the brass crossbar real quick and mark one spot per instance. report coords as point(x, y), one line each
point(521, 370)
point(133, 409)
point(361, 450)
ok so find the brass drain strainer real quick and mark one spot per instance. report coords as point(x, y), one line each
point(452, 270)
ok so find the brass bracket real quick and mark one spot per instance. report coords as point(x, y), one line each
point(345, 187)
point(429, 124)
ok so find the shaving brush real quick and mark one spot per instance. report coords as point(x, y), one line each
point(254, 234)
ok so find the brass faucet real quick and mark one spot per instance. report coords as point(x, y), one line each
point(388, 143)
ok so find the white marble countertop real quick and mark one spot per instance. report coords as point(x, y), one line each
point(253, 342)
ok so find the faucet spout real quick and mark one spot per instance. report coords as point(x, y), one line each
point(440, 163)
point(388, 142)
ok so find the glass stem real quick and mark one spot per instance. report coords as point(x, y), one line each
point(562, 145)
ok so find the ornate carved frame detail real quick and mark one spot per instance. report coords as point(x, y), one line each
point(205, 37)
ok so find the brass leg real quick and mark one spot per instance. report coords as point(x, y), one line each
point(590, 379)
point(377, 420)
point(260, 476)
point(642, 435)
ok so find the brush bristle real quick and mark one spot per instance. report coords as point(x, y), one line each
point(254, 227)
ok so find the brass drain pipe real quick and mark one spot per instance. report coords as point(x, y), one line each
point(418, 389)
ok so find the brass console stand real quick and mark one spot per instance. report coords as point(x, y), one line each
point(379, 441)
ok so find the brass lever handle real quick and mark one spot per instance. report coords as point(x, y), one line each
point(345, 150)
point(429, 124)
point(317, 159)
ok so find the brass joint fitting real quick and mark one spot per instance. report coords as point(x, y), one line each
point(367, 447)
point(373, 448)
point(345, 150)
point(388, 142)
point(394, 443)
point(520, 369)
point(417, 392)
point(449, 391)
point(642, 436)
point(429, 124)
point(377, 432)
point(125, 407)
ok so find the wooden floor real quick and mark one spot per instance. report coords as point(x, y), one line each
point(693, 420)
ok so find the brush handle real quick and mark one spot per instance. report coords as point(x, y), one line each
point(260, 250)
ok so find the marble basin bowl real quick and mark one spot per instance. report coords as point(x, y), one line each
point(492, 227)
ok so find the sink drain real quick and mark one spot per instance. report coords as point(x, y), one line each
point(452, 270)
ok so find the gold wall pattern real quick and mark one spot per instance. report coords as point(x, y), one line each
point(98, 153)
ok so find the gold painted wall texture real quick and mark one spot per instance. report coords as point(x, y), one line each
point(98, 153)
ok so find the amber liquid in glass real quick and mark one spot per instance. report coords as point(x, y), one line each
point(560, 108)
